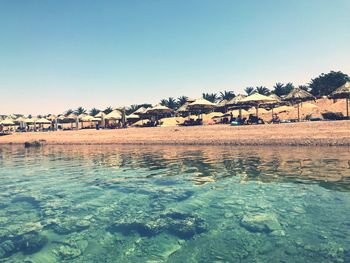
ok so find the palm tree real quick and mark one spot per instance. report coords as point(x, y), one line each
point(227, 95)
point(68, 112)
point(249, 90)
point(278, 89)
point(181, 100)
point(212, 97)
point(80, 110)
point(170, 103)
point(94, 111)
point(263, 90)
point(108, 110)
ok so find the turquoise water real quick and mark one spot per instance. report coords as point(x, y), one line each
point(174, 204)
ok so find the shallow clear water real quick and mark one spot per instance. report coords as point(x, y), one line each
point(174, 204)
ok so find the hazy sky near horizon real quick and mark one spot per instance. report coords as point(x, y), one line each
point(56, 55)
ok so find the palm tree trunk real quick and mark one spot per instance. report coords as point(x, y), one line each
point(299, 112)
point(347, 107)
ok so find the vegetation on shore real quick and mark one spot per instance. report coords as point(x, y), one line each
point(322, 85)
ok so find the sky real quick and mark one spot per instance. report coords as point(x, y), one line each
point(57, 55)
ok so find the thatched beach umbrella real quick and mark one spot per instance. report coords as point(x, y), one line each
point(43, 121)
point(343, 92)
point(114, 115)
point(257, 99)
point(88, 118)
point(158, 110)
point(140, 111)
point(298, 95)
point(7, 122)
point(200, 105)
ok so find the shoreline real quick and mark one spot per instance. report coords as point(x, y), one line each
point(325, 133)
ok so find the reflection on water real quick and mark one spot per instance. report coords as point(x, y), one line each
point(174, 204)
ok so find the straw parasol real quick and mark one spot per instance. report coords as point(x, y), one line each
point(183, 108)
point(158, 109)
point(257, 99)
point(201, 105)
point(141, 111)
point(298, 95)
point(114, 115)
point(43, 121)
point(343, 92)
point(7, 122)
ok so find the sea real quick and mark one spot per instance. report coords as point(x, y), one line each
point(174, 204)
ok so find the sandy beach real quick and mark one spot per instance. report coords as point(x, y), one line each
point(331, 133)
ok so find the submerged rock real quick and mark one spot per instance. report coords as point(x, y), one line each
point(70, 226)
point(67, 252)
point(184, 225)
point(180, 224)
point(32, 243)
point(27, 199)
point(261, 223)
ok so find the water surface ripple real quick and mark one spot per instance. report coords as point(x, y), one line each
point(174, 204)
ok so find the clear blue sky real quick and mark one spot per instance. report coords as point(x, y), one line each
point(56, 55)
